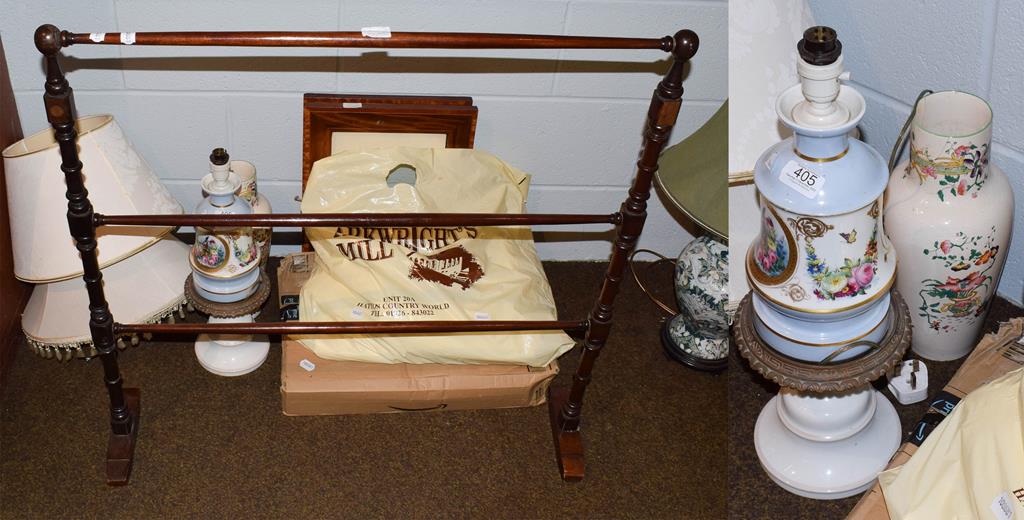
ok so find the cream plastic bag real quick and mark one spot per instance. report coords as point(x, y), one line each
point(428, 272)
point(972, 464)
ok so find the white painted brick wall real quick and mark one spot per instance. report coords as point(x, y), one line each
point(896, 49)
point(571, 118)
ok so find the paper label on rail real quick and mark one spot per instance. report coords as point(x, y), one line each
point(128, 38)
point(351, 105)
point(803, 180)
point(377, 32)
point(97, 37)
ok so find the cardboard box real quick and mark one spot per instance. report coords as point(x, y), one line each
point(292, 273)
point(314, 386)
point(311, 385)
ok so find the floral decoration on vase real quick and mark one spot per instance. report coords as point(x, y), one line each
point(771, 253)
point(772, 258)
point(853, 278)
point(209, 252)
point(963, 296)
point(960, 170)
point(243, 247)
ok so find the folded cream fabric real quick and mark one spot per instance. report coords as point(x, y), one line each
point(972, 465)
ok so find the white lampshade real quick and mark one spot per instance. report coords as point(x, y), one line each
point(119, 183)
point(762, 63)
point(142, 289)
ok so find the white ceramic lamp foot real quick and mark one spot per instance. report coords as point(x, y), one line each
point(828, 446)
point(231, 354)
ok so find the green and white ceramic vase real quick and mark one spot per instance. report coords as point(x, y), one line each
point(699, 335)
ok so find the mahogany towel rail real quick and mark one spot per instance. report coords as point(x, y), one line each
point(565, 405)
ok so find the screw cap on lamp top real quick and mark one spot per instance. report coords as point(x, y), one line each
point(219, 156)
point(820, 46)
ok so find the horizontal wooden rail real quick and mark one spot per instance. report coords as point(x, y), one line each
point(346, 327)
point(396, 40)
point(356, 219)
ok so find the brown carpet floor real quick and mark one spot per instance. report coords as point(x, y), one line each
point(752, 494)
point(213, 447)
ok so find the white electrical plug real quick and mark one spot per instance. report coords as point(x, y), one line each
point(909, 381)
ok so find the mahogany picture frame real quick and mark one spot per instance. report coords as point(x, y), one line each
point(325, 114)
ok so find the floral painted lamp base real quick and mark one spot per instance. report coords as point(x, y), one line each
point(828, 433)
point(699, 335)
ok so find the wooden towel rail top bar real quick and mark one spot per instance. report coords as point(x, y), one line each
point(565, 405)
point(396, 40)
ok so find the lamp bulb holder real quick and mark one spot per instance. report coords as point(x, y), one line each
point(821, 70)
point(221, 181)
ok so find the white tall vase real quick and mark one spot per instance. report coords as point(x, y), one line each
point(249, 192)
point(949, 214)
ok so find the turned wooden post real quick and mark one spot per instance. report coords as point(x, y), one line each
point(661, 116)
point(60, 112)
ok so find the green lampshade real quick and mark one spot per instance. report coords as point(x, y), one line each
point(694, 174)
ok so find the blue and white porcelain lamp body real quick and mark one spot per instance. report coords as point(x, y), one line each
point(822, 263)
point(225, 262)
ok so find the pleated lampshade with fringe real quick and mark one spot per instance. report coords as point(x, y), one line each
point(144, 288)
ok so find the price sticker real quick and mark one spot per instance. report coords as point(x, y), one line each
point(803, 180)
point(377, 32)
point(307, 365)
point(1002, 508)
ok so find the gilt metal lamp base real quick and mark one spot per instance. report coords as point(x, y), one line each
point(828, 433)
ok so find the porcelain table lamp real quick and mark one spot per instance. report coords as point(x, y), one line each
point(820, 271)
point(692, 177)
point(225, 274)
point(120, 181)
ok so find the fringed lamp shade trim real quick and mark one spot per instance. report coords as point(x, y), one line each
point(85, 350)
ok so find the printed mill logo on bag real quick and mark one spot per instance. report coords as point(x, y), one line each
point(436, 252)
